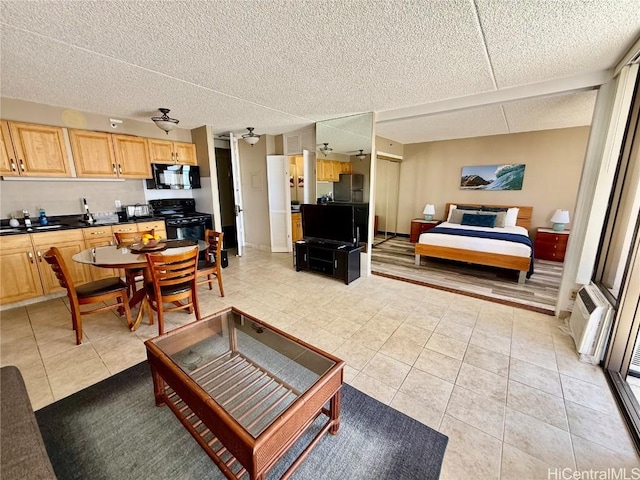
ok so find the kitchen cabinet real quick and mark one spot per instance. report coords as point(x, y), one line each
point(99, 237)
point(132, 156)
point(166, 152)
point(346, 168)
point(158, 226)
point(93, 154)
point(69, 242)
point(19, 275)
point(296, 227)
point(328, 170)
point(33, 150)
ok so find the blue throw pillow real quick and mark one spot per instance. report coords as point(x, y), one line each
point(475, 220)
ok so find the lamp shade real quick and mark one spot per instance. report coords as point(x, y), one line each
point(251, 138)
point(561, 216)
point(560, 219)
point(429, 209)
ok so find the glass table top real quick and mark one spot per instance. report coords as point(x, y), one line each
point(253, 372)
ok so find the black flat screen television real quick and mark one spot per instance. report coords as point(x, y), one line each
point(328, 223)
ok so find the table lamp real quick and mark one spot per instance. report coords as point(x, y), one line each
point(560, 219)
point(429, 211)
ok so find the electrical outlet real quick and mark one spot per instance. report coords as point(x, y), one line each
point(574, 294)
point(118, 204)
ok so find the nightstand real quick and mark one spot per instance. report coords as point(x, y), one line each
point(551, 245)
point(420, 225)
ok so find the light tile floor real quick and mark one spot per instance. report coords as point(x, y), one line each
point(502, 383)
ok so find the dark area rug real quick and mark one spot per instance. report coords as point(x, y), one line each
point(113, 430)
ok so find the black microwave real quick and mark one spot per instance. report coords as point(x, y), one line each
point(174, 177)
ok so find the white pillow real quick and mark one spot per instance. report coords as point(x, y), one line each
point(512, 217)
point(452, 207)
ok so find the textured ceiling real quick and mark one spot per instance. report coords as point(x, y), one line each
point(281, 65)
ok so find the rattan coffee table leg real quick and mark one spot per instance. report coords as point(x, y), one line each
point(334, 408)
point(158, 387)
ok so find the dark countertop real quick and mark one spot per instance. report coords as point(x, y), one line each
point(65, 222)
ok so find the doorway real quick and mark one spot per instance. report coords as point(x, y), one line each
point(227, 198)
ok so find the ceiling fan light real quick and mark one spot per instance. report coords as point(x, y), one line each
point(165, 122)
point(251, 138)
point(361, 155)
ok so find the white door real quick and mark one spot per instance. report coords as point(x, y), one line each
point(237, 188)
point(279, 203)
point(309, 174)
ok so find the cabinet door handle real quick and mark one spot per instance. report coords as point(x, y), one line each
point(335, 264)
point(22, 165)
point(39, 256)
point(30, 255)
point(177, 158)
point(173, 157)
point(13, 165)
point(97, 233)
point(305, 257)
point(115, 172)
point(120, 169)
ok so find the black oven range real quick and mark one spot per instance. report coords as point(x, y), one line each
point(181, 218)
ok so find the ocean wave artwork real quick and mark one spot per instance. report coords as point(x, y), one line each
point(492, 177)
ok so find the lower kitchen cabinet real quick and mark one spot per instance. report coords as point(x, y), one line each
point(99, 237)
point(69, 242)
point(296, 227)
point(158, 227)
point(19, 275)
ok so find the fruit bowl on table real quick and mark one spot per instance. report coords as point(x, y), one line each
point(151, 242)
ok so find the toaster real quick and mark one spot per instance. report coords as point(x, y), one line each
point(138, 210)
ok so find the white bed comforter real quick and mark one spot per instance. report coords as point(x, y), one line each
point(488, 245)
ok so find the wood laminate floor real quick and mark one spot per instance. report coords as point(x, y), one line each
point(394, 258)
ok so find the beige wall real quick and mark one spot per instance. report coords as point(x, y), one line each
point(384, 145)
point(430, 172)
point(253, 167)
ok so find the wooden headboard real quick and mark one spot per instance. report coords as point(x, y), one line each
point(524, 213)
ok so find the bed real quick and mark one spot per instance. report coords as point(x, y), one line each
point(503, 252)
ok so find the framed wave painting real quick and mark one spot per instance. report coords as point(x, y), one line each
point(492, 177)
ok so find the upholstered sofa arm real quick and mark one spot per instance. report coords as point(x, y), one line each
point(22, 451)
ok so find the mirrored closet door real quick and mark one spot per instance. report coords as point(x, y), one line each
point(387, 190)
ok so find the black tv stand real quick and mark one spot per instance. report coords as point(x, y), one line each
point(337, 261)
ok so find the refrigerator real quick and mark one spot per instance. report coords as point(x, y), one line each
point(349, 188)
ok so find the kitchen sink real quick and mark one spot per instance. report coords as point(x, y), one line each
point(46, 227)
point(34, 228)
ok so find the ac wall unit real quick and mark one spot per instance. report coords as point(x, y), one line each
point(590, 323)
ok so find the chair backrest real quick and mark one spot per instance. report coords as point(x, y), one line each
point(168, 270)
point(214, 245)
point(129, 238)
point(54, 258)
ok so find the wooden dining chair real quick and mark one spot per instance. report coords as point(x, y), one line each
point(99, 291)
point(209, 268)
point(132, 275)
point(173, 282)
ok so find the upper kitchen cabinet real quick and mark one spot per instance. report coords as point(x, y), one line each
point(33, 150)
point(93, 154)
point(132, 156)
point(163, 151)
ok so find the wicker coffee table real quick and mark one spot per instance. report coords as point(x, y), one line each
point(245, 391)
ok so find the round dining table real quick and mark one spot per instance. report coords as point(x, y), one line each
point(118, 256)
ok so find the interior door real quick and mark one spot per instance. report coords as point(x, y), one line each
point(237, 190)
point(279, 203)
point(309, 174)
